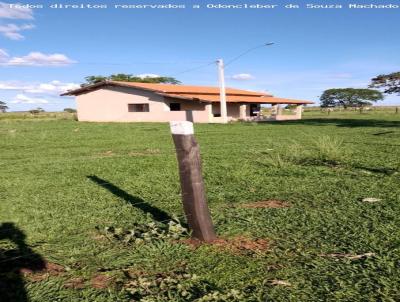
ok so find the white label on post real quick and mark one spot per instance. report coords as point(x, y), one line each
point(182, 128)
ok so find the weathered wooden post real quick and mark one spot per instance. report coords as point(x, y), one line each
point(192, 184)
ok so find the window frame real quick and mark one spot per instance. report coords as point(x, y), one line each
point(133, 107)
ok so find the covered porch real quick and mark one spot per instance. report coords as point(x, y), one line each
point(254, 112)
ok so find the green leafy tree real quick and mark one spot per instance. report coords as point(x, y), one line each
point(3, 107)
point(389, 82)
point(122, 77)
point(349, 97)
point(70, 110)
point(290, 106)
point(94, 79)
point(37, 110)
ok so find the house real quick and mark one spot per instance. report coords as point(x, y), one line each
point(112, 101)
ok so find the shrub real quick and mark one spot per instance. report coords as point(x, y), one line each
point(329, 150)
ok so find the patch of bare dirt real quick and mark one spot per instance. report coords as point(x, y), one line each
point(50, 269)
point(101, 281)
point(107, 153)
point(75, 283)
point(271, 204)
point(280, 282)
point(145, 152)
point(238, 244)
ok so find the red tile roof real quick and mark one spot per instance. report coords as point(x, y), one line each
point(168, 88)
point(236, 98)
point(195, 93)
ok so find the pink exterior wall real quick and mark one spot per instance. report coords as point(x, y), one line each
point(110, 104)
point(233, 110)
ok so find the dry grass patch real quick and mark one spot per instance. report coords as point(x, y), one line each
point(101, 281)
point(50, 269)
point(236, 245)
point(75, 283)
point(272, 204)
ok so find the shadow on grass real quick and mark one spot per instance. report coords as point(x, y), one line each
point(383, 133)
point(15, 256)
point(350, 123)
point(381, 170)
point(135, 201)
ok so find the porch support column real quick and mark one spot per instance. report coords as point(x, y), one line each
point(299, 111)
point(242, 111)
point(279, 109)
point(209, 112)
point(274, 110)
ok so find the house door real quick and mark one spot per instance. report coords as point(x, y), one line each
point(254, 109)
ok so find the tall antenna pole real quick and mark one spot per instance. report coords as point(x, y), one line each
point(222, 91)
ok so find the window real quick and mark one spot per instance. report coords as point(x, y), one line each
point(138, 108)
point(175, 107)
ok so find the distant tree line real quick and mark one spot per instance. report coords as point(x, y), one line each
point(122, 77)
point(361, 97)
point(36, 110)
point(3, 106)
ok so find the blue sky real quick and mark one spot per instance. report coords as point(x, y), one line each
point(45, 51)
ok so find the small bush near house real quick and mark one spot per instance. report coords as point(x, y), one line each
point(70, 110)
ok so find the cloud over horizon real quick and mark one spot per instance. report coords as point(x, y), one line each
point(13, 31)
point(35, 59)
point(242, 77)
point(18, 13)
point(24, 99)
point(53, 88)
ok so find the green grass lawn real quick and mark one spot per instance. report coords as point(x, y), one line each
point(63, 182)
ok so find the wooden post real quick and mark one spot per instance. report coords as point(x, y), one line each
point(192, 184)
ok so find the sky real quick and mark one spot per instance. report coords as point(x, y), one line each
point(45, 51)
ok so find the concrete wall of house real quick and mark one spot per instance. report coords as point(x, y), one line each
point(233, 110)
point(110, 104)
point(185, 104)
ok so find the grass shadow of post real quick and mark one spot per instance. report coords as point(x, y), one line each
point(137, 202)
point(13, 261)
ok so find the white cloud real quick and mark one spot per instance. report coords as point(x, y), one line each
point(24, 99)
point(12, 31)
point(13, 11)
point(242, 77)
point(53, 88)
point(35, 59)
point(148, 75)
point(11, 86)
point(3, 55)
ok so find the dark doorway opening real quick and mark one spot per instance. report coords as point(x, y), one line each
point(254, 109)
point(175, 107)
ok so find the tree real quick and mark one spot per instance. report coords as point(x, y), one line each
point(122, 77)
point(389, 82)
point(290, 106)
point(37, 110)
point(349, 97)
point(70, 110)
point(93, 80)
point(3, 107)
